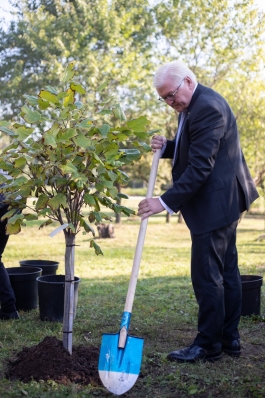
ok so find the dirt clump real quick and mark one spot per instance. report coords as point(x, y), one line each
point(49, 360)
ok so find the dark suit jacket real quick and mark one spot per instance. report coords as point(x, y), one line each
point(211, 181)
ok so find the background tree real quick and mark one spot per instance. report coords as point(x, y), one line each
point(124, 42)
point(107, 40)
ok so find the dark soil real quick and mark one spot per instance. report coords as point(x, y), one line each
point(49, 360)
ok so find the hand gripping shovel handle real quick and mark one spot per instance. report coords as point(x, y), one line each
point(137, 256)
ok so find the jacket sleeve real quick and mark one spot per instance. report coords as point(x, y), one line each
point(205, 129)
point(169, 150)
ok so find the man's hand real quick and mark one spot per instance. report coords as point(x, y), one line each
point(149, 206)
point(157, 142)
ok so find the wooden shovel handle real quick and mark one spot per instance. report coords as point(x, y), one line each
point(141, 236)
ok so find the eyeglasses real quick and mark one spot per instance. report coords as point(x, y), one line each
point(170, 97)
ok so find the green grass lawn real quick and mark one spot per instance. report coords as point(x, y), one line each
point(164, 312)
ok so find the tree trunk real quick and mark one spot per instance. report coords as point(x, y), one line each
point(168, 217)
point(68, 318)
point(118, 215)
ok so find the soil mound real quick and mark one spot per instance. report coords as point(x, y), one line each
point(49, 360)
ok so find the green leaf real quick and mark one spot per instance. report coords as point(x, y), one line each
point(20, 181)
point(100, 186)
point(30, 116)
point(118, 112)
point(43, 104)
point(102, 86)
point(96, 247)
point(3, 179)
point(13, 229)
point(66, 135)
point(68, 73)
point(45, 212)
point(52, 90)
point(78, 87)
point(68, 168)
point(142, 145)
point(46, 95)
point(50, 135)
point(62, 95)
point(112, 176)
point(89, 200)
point(8, 214)
point(105, 112)
point(123, 196)
point(138, 124)
point(142, 135)
point(60, 182)
point(152, 132)
point(104, 216)
point(45, 224)
point(97, 216)
point(112, 151)
point(42, 201)
point(85, 124)
point(130, 155)
point(57, 201)
point(79, 104)
point(123, 209)
point(7, 131)
point(24, 132)
point(113, 192)
point(30, 217)
point(82, 141)
point(86, 226)
point(69, 99)
point(104, 129)
point(20, 163)
point(64, 114)
point(32, 100)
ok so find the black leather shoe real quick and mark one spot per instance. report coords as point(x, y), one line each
point(194, 353)
point(8, 315)
point(232, 348)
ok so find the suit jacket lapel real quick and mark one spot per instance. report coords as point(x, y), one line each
point(195, 96)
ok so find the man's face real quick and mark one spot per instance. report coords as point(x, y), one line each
point(183, 95)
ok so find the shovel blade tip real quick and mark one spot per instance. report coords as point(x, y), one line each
point(116, 382)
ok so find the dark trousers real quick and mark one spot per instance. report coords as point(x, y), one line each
point(7, 297)
point(217, 286)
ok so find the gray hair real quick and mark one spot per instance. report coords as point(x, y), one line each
point(175, 70)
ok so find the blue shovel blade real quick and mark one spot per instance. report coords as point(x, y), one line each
point(119, 367)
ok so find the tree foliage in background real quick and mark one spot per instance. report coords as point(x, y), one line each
point(106, 39)
point(67, 157)
point(125, 42)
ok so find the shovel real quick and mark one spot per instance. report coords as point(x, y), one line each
point(121, 354)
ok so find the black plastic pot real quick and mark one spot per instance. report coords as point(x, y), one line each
point(251, 285)
point(48, 267)
point(51, 297)
point(24, 283)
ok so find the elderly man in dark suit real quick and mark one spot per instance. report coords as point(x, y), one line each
point(211, 187)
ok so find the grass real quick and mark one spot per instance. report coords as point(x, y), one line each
point(164, 313)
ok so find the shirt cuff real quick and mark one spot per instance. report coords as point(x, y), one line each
point(165, 206)
point(163, 149)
